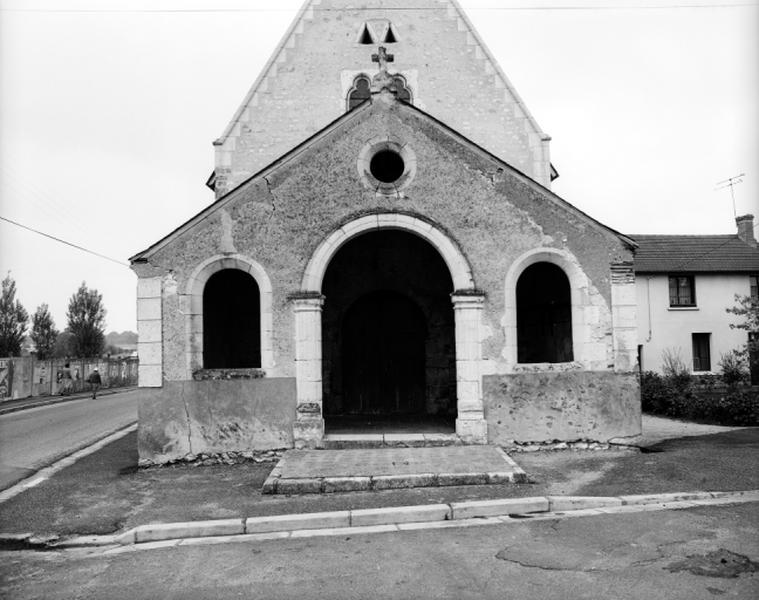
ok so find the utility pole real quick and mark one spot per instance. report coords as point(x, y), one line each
point(731, 183)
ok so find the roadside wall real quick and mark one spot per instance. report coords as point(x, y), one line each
point(21, 377)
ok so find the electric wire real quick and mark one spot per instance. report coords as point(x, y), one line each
point(57, 239)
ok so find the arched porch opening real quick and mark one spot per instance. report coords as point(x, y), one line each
point(311, 339)
point(388, 335)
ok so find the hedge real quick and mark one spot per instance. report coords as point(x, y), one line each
point(681, 397)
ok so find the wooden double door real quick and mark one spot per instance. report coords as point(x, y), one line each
point(383, 356)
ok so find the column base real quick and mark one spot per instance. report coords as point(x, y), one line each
point(308, 433)
point(472, 431)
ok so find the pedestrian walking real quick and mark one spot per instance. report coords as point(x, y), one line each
point(65, 379)
point(95, 382)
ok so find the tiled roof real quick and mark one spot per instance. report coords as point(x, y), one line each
point(694, 253)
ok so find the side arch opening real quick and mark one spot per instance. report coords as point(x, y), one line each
point(544, 315)
point(231, 321)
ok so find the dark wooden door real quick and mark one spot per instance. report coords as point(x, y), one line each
point(383, 356)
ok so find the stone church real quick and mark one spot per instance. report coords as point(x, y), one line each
point(384, 255)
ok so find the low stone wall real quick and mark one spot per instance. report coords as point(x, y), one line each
point(215, 416)
point(596, 406)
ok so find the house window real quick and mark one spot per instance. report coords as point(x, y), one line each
point(682, 290)
point(754, 284)
point(544, 315)
point(701, 356)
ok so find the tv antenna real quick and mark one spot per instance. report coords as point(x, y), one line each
point(731, 183)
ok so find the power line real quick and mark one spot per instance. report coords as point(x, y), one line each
point(52, 237)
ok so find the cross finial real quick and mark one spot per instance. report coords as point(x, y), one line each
point(382, 57)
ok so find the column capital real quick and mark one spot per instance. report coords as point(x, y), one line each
point(305, 301)
point(468, 298)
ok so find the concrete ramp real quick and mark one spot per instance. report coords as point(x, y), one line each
point(324, 471)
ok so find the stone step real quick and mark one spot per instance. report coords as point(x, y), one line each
point(382, 468)
point(341, 441)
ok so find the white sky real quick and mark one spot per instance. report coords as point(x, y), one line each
point(108, 109)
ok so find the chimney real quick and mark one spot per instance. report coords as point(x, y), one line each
point(746, 229)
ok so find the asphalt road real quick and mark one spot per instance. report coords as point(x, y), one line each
point(33, 438)
point(674, 555)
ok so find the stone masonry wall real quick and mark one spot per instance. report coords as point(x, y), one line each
point(493, 215)
point(567, 406)
point(211, 417)
point(305, 88)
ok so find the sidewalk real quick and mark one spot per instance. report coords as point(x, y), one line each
point(105, 493)
point(9, 406)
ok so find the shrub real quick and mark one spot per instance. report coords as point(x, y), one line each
point(664, 395)
point(734, 368)
point(676, 370)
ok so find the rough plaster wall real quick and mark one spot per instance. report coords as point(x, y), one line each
point(492, 215)
point(195, 417)
point(568, 406)
point(304, 90)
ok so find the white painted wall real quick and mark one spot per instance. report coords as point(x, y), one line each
point(663, 328)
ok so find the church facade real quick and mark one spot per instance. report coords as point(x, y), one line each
point(384, 249)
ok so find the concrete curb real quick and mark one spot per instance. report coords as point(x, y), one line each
point(388, 519)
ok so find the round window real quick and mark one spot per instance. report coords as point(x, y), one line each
point(387, 166)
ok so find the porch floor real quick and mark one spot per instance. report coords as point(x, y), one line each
point(320, 471)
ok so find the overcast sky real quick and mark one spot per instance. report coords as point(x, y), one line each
point(108, 109)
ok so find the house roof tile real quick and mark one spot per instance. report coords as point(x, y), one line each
point(694, 253)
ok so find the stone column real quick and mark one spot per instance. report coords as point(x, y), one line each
point(308, 428)
point(470, 422)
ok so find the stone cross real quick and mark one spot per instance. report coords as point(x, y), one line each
point(382, 57)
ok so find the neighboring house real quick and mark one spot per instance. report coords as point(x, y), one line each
point(384, 251)
point(684, 284)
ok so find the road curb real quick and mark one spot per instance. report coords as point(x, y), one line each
point(386, 519)
point(45, 473)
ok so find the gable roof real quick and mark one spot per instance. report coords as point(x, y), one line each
point(356, 113)
point(306, 14)
point(694, 254)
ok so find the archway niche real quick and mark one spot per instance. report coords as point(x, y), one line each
point(388, 332)
point(231, 321)
point(544, 315)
